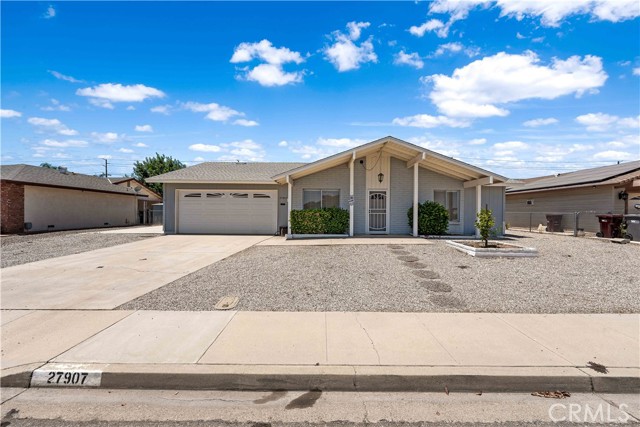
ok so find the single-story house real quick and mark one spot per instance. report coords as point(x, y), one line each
point(376, 182)
point(43, 199)
point(146, 196)
point(606, 189)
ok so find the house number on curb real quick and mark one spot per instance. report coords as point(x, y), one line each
point(65, 378)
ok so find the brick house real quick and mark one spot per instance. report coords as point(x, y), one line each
point(37, 199)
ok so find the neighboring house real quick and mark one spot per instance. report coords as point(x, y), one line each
point(377, 182)
point(146, 196)
point(43, 199)
point(607, 189)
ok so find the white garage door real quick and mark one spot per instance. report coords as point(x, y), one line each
point(227, 211)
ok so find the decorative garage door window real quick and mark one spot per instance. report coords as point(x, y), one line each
point(214, 195)
point(261, 196)
point(193, 195)
point(240, 195)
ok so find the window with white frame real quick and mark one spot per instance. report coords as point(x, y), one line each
point(451, 201)
point(320, 199)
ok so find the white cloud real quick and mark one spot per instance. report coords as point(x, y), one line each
point(599, 122)
point(534, 123)
point(270, 72)
point(245, 122)
point(550, 12)
point(205, 148)
point(64, 77)
point(199, 159)
point(510, 145)
point(106, 137)
point(412, 59)
point(271, 75)
point(323, 147)
point(446, 148)
point(56, 106)
point(478, 141)
point(247, 150)
point(429, 121)
point(103, 95)
point(143, 128)
point(455, 47)
point(52, 125)
point(215, 112)
point(433, 25)
point(520, 36)
point(283, 143)
point(7, 114)
point(140, 145)
point(105, 156)
point(265, 51)
point(636, 71)
point(102, 103)
point(50, 12)
point(130, 108)
point(481, 87)
point(125, 150)
point(612, 155)
point(64, 144)
point(346, 55)
point(161, 109)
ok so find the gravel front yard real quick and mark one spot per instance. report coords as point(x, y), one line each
point(21, 249)
point(570, 276)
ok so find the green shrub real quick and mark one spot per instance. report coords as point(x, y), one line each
point(484, 223)
point(433, 218)
point(320, 221)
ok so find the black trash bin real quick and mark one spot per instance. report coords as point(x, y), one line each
point(554, 223)
point(633, 226)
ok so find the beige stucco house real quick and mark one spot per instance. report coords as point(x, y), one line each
point(376, 182)
point(41, 199)
point(146, 197)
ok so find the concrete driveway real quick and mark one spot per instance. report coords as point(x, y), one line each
point(106, 278)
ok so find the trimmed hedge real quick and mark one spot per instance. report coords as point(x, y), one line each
point(433, 218)
point(320, 221)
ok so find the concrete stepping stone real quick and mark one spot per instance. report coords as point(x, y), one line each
point(448, 301)
point(408, 258)
point(436, 286)
point(416, 265)
point(426, 274)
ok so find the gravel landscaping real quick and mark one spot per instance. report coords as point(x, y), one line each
point(21, 249)
point(571, 275)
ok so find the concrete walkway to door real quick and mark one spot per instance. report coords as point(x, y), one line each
point(106, 278)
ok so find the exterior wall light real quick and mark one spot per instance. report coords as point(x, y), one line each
point(380, 177)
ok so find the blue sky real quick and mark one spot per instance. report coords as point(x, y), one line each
point(521, 88)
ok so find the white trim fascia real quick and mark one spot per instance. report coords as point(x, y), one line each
point(199, 181)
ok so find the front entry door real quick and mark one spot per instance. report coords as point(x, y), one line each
point(377, 211)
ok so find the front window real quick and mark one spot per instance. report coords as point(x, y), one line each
point(319, 199)
point(451, 201)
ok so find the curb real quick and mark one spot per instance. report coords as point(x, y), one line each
point(330, 378)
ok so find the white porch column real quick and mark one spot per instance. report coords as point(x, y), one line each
point(478, 204)
point(351, 195)
point(289, 197)
point(416, 171)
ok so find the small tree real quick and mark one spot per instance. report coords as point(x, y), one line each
point(152, 166)
point(48, 165)
point(484, 223)
point(433, 218)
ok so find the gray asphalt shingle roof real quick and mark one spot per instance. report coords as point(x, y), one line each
point(601, 175)
point(44, 176)
point(259, 172)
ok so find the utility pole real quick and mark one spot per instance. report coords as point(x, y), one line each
point(106, 168)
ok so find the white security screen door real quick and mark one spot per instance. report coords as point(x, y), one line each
point(377, 211)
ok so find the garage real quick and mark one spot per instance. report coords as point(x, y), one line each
point(227, 211)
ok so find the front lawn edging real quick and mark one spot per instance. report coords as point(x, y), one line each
point(511, 252)
point(316, 236)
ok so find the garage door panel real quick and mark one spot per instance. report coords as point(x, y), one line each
point(227, 212)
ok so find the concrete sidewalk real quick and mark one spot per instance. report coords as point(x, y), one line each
point(329, 351)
